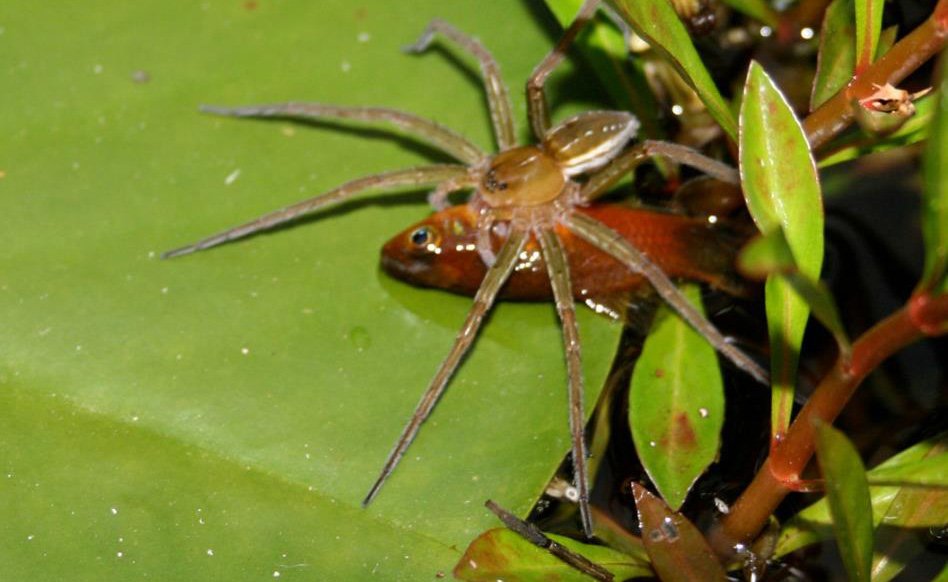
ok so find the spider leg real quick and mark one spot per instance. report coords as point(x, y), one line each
point(495, 278)
point(605, 178)
point(558, 270)
point(537, 107)
point(485, 246)
point(497, 97)
point(420, 176)
point(438, 198)
point(435, 134)
point(612, 243)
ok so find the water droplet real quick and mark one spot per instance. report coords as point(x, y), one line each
point(245, 351)
point(210, 552)
point(652, 444)
point(114, 510)
point(360, 338)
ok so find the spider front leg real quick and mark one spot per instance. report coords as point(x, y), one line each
point(497, 98)
point(435, 134)
point(558, 270)
point(600, 182)
point(495, 278)
point(611, 242)
point(537, 107)
point(421, 176)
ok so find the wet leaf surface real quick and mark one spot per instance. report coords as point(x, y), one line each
point(281, 368)
point(781, 188)
point(676, 404)
point(676, 547)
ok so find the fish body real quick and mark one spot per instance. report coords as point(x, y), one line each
point(441, 252)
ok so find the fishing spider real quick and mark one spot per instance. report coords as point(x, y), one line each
point(520, 193)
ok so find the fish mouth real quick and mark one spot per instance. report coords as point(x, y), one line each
point(404, 266)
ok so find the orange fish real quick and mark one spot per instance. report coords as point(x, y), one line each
point(441, 252)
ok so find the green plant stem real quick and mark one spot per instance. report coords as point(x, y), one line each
point(833, 116)
point(923, 315)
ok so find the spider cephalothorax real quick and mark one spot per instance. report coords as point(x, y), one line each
point(530, 192)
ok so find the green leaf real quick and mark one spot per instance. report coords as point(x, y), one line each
point(782, 189)
point(678, 550)
point(770, 254)
point(848, 495)
point(660, 26)
point(935, 202)
point(836, 60)
point(757, 9)
point(605, 49)
point(676, 403)
point(278, 364)
point(813, 524)
point(868, 27)
point(502, 554)
point(89, 497)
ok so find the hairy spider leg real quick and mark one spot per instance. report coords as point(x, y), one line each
point(420, 176)
point(439, 136)
point(558, 270)
point(498, 101)
point(537, 108)
point(438, 198)
point(600, 182)
point(495, 278)
point(611, 242)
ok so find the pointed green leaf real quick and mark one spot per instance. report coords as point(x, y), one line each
point(676, 403)
point(782, 189)
point(836, 60)
point(912, 507)
point(770, 254)
point(813, 524)
point(678, 551)
point(500, 554)
point(868, 27)
point(935, 206)
point(848, 495)
point(660, 26)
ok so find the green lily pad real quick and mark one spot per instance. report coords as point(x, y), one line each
point(279, 369)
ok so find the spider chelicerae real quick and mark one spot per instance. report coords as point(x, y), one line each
point(520, 194)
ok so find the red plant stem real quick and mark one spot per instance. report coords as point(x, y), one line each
point(751, 511)
point(833, 116)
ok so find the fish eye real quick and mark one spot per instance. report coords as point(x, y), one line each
point(423, 236)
